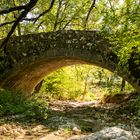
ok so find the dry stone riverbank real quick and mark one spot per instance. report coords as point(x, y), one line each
point(75, 121)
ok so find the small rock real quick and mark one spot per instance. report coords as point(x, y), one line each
point(16, 133)
point(3, 130)
point(76, 131)
point(38, 128)
point(59, 132)
point(28, 133)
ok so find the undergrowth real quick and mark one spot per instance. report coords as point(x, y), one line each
point(135, 105)
point(37, 107)
point(12, 103)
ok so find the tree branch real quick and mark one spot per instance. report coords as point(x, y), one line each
point(74, 17)
point(29, 19)
point(24, 19)
point(88, 14)
point(10, 22)
point(46, 11)
point(28, 7)
point(57, 15)
point(6, 11)
point(39, 25)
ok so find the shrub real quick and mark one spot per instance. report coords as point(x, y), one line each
point(12, 103)
point(135, 106)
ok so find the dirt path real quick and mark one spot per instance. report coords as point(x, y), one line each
point(69, 120)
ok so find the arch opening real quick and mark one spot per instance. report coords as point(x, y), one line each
point(82, 82)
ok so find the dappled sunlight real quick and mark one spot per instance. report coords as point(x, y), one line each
point(69, 69)
point(83, 83)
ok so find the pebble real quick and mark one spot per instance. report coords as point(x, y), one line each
point(76, 131)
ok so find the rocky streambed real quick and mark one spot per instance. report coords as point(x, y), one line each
point(75, 121)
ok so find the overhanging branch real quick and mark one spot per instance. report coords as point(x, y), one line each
point(6, 11)
point(88, 14)
point(46, 11)
point(28, 7)
point(10, 22)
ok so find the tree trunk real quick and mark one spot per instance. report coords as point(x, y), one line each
point(85, 88)
point(123, 85)
point(37, 88)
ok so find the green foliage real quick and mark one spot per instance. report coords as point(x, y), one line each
point(12, 103)
point(135, 106)
point(82, 82)
point(66, 83)
point(9, 100)
point(37, 107)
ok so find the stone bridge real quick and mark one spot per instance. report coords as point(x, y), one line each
point(31, 57)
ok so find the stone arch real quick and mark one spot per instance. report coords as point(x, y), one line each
point(30, 57)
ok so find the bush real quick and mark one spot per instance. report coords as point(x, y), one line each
point(12, 103)
point(38, 107)
point(135, 106)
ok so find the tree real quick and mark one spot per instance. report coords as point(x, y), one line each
point(26, 8)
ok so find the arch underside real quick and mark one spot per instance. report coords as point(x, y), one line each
point(28, 77)
point(33, 57)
